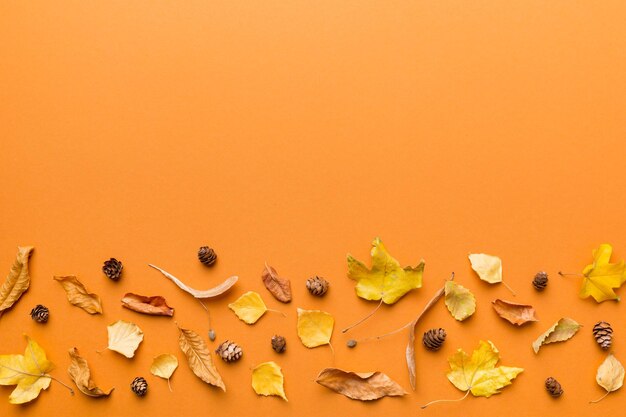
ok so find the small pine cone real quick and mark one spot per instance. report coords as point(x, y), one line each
point(279, 344)
point(434, 338)
point(540, 281)
point(229, 351)
point(603, 333)
point(112, 269)
point(139, 386)
point(317, 286)
point(207, 256)
point(40, 313)
point(553, 387)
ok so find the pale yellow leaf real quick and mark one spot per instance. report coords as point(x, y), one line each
point(124, 337)
point(164, 365)
point(488, 267)
point(267, 379)
point(562, 330)
point(18, 280)
point(78, 295)
point(249, 307)
point(460, 301)
point(199, 358)
point(315, 327)
point(81, 375)
point(610, 374)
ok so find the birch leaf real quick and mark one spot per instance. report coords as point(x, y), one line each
point(359, 386)
point(199, 358)
point(514, 313)
point(155, 305)
point(164, 366)
point(267, 379)
point(610, 375)
point(488, 267)
point(315, 327)
point(562, 330)
point(249, 307)
point(78, 295)
point(278, 286)
point(18, 280)
point(81, 375)
point(460, 301)
point(124, 337)
point(211, 292)
point(601, 277)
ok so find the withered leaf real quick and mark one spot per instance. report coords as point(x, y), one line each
point(199, 358)
point(81, 375)
point(517, 314)
point(78, 295)
point(18, 280)
point(211, 292)
point(155, 305)
point(278, 286)
point(561, 331)
point(359, 386)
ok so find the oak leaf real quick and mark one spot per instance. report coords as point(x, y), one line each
point(562, 330)
point(459, 300)
point(124, 337)
point(81, 375)
point(514, 313)
point(359, 386)
point(164, 366)
point(610, 375)
point(249, 307)
point(18, 280)
point(278, 286)
point(155, 305)
point(601, 277)
point(199, 358)
point(211, 292)
point(315, 327)
point(267, 379)
point(78, 295)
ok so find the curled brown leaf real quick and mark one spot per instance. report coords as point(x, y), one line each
point(18, 280)
point(359, 386)
point(81, 375)
point(278, 286)
point(514, 313)
point(78, 295)
point(155, 305)
point(199, 358)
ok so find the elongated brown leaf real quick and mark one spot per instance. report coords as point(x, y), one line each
point(18, 280)
point(78, 295)
point(278, 286)
point(562, 330)
point(199, 358)
point(81, 375)
point(155, 305)
point(211, 292)
point(514, 313)
point(359, 386)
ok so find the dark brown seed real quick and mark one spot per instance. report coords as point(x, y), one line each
point(540, 281)
point(351, 343)
point(279, 344)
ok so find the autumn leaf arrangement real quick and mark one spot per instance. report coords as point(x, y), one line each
point(386, 281)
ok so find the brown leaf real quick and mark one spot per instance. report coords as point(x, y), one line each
point(18, 280)
point(517, 314)
point(155, 306)
point(77, 295)
point(81, 375)
point(279, 287)
point(359, 386)
point(199, 358)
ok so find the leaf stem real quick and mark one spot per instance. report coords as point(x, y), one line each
point(169, 385)
point(599, 399)
point(40, 375)
point(446, 401)
point(364, 318)
point(565, 274)
point(509, 288)
point(276, 311)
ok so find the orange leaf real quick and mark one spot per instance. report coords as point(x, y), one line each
point(278, 286)
point(517, 314)
point(155, 306)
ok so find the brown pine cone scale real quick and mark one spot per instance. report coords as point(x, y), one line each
point(434, 338)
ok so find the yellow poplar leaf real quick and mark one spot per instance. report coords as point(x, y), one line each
point(460, 301)
point(315, 327)
point(78, 295)
point(28, 372)
point(18, 280)
point(601, 277)
point(249, 307)
point(488, 267)
point(267, 379)
point(387, 280)
point(478, 373)
point(562, 330)
point(81, 375)
point(610, 375)
point(365, 386)
point(124, 337)
point(199, 358)
point(164, 366)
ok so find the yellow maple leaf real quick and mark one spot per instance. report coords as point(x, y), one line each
point(387, 280)
point(315, 327)
point(267, 379)
point(249, 307)
point(601, 277)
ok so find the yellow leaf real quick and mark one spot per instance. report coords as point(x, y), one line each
point(18, 280)
point(460, 301)
point(315, 327)
point(164, 366)
point(199, 358)
point(78, 295)
point(562, 330)
point(81, 375)
point(610, 375)
point(124, 337)
point(249, 307)
point(267, 379)
point(478, 373)
point(601, 277)
point(488, 267)
point(28, 372)
point(387, 280)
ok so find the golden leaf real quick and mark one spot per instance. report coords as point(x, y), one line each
point(164, 366)
point(18, 280)
point(199, 358)
point(601, 277)
point(211, 292)
point(610, 375)
point(81, 375)
point(249, 307)
point(155, 306)
point(315, 327)
point(514, 313)
point(267, 379)
point(562, 330)
point(78, 295)
point(460, 301)
point(124, 337)
point(359, 386)
point(278, 286)
point(488, 267)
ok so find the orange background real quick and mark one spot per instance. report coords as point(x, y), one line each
point(294, 132)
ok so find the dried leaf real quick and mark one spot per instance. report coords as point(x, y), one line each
point(561, 330)
point(514, 313)
point(211, 292)
point(27, 371)
point(199, 358)
point(18, 280)
point(249, 307)
point(460, 301)
point(78, 295)
point(601, 277)
point(386, 281)
point(124, 337)
point(359, 386)
point(315, 327)
point(279, 287)
point(164, 366)
point(488, 267)
point(155, 305)
point(267, 379)
point(610, 375)
point(81, 375)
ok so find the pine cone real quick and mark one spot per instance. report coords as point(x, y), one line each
point(229, 351)
point(317, 286)
point(541, 281)
point(207, 256)
point(40, 313)
point(434, 338)
point(603, 333)
point(279, 344)
point(112, 269)
point(139, 386)
point(553, 387)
